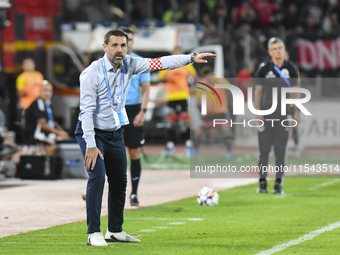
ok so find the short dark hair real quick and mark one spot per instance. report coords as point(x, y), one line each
point(115, 32)
point(127, 30)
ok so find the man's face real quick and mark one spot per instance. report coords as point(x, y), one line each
point(46, 91)
point(130, 44)
point(28, 65)
point(277, 50)
point(116, 49)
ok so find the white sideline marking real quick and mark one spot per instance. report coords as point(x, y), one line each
point(148, 230)
point(48, 243)
point(176, 223)
point(161, 227)
point(324, 184)
point(193, 219)
point(301, 239)
point(285, 195)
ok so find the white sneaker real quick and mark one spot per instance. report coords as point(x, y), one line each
point(96, 239)
point(120, 237)
point(170, 148)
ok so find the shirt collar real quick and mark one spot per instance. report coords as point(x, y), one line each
point(48, 101)
point(284, 63)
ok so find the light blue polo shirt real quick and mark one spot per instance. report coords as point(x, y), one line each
point(134, 93)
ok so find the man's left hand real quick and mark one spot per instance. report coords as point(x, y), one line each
point(139, 119)
point(199, 58)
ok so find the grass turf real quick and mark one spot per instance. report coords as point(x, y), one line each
point(242, 223)
point(251, 160)
point(161, 162)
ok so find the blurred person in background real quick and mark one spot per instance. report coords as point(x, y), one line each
point(28, 83)
point(291, 17)
point(38, 123)
point(177, 94)
point(207, 6)
point(335, 17)
point(264, 10)
point(170, 16)
point(313, 11)
point(244, 79)
point(277, 73)
point(239, 13)
point(4, 100)
point(210, 33)
point(276, 24)
point(190, 13)
point(97, 11)
point(221, 18)
point(7, 149)
point(139, 10)
point(136, 106)
point(214, 111)
point(310, 27)
point(245, 14)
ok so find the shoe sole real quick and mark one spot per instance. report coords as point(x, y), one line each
point(134, 204)
point(258, 192)
point(109, 241)
point(115, 240)
point(278, 193)
point(89, 244)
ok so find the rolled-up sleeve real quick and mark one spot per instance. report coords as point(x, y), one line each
point(88, 99)
point(145, 65)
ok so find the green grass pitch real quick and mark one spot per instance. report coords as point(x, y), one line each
point(242, 223)
point(160, 162)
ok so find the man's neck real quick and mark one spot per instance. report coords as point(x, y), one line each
point(115, 66)
point(278, 62)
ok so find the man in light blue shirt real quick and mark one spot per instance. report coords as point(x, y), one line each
point(103, 89)
point(135, 106)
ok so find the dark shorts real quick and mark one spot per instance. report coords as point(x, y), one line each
point(133, 136)
point(179, 106)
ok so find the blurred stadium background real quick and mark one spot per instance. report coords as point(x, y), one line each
point(64, 36)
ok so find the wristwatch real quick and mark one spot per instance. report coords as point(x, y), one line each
point(144, 110)
point(193, 56)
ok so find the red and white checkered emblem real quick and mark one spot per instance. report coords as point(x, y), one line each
point(155, 64)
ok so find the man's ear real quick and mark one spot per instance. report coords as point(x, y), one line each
point(104, 47)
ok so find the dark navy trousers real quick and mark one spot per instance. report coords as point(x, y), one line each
point(276, 135)
point(114, 165)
